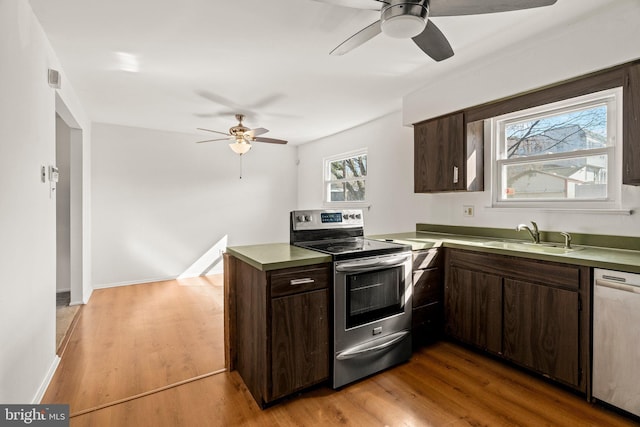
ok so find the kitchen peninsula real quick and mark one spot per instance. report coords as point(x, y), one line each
point(563, 276)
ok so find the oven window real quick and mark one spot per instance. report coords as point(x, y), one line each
point(374, 295)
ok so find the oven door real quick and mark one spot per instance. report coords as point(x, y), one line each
point(372, 315)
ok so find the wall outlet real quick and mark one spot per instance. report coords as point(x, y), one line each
point(467, 210)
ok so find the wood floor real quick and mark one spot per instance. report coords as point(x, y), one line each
point(132, 341)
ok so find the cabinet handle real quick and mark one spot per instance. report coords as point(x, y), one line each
point(305, 281)
point(455, 174)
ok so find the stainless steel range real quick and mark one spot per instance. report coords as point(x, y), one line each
point(371, 293)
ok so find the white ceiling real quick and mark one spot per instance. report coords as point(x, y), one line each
point(201, 61)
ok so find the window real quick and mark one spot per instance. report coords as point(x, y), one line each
point(345, 177)
point(563, 154)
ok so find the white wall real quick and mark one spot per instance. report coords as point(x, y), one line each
point(27, 218)
point(161, 202)
point(592, 43)
point(390, 172)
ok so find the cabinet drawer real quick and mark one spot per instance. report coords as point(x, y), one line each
point(547, 272)
point(300, 279)
point(430, 258)
point(427, 323)
point(427, 286)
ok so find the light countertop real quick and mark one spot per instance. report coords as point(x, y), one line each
point(275, 256)
point(591, 256)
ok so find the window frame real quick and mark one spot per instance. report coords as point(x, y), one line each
point(613, 99)
point(327, 181)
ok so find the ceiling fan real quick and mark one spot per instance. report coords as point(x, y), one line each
point(410, 19)
point(242, 136)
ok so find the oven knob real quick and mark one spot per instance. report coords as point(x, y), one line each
point(345, 216)
point(307, 218)
point(352, 216)
point(358, 216)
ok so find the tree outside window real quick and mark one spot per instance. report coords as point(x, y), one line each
point(345, 178)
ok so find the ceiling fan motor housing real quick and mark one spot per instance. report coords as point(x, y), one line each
point(239, 129)
point(404, 19)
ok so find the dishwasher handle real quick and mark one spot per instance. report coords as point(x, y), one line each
point(617, 286)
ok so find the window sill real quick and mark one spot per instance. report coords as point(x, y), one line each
point(346, 205)
point(588, 211)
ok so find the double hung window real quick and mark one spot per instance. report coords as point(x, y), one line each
point(559, 155)
point(345, 177)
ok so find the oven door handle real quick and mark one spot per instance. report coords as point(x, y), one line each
point(366, 349)
point(362, 266)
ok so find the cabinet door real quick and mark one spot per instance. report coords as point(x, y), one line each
point(439, 158)
point(473, 308)
point(541, 329)
point(299, 342)
point(631, 137)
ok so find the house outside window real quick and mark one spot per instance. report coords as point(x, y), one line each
point(564, 154)
point(345, 178)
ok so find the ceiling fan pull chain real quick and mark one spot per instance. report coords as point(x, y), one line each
point(240, 166)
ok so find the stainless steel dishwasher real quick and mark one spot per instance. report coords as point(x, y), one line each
point(616, 339)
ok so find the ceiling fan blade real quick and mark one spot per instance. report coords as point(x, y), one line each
point(256, 132)
point(214, 131)
point(357, 39)
point(218, 99)
point(357, 4)
point(211, 140)
point(270, 140)
point(266, 101)
point(433, 42)
point(475, 7)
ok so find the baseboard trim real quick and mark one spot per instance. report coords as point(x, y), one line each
point(86, 295)
point(143, 281)
point(133, 282)
point(46, 381)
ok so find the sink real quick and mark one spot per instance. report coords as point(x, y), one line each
point(544, 248)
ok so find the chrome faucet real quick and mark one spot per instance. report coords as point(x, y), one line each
point(535, 234)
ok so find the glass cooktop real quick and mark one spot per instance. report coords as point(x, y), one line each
point(354, 248)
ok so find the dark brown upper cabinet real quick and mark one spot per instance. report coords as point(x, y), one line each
point(631, 126)
point(448, 155)
point(449, 143)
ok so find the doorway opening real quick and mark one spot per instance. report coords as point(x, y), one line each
point(69, 222)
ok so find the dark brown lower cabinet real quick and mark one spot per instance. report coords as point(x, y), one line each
point(282, 328)
point(532, 313)
point(300, 341)
point(428, 294)
point(473, 302)
point(542, 329)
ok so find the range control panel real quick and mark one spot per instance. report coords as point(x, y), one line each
point(323, 219)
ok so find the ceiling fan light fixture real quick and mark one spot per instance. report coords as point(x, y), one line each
point(404, 20)
point(240, 147)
